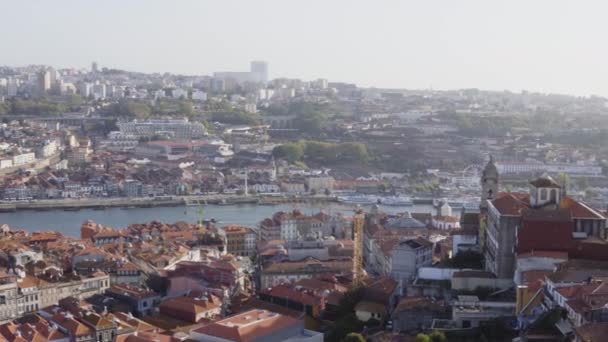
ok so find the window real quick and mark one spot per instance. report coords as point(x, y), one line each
point(543, 194)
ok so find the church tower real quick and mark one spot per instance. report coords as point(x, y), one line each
point(489, 184)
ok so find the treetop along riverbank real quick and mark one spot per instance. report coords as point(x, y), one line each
point(321, 152)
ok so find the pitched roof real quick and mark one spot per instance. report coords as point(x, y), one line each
point(592, 332)
point(579, 209)
point(509, 205)
point(545, 182)
point(193, 305)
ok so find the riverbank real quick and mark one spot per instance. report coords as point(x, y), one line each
point(166, 201)
point(68, 222)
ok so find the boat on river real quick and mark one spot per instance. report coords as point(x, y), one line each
point(397, 201)
point(358, 199)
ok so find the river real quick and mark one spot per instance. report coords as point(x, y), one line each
point(69, 222)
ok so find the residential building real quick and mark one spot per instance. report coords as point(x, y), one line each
point(418, 313)
point(141, 302)
point(408, 256)
point(24, 158)
point(276, 273)
point(192, 308)
point(240, 240)
point(9, 295)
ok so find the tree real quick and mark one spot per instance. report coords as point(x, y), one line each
point(423, 338)
point(235, 118)
point(354, 337)
point(435, 336)
point(292, 152)
point(185, 107)
point(438, 336)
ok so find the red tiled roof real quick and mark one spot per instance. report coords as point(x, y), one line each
point(592, 332)
point(248, 326)
point(291, 292)
point(509, 204)
point(545, 182)
point(580, 209)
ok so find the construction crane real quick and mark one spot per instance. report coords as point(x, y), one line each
point(358, 222)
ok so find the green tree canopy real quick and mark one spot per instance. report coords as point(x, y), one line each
point(292, 152)
point(235, 118)
point(322, 152)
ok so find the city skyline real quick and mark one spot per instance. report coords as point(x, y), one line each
point(410, 45)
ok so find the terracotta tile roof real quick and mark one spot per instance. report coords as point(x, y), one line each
point(417, 303)
point(577, 291)
point(580, 209)
point(529, 277)
point(29, 281)
point(291, 292)
point(69, 323)
point(509, 205)
point(308, 265)
point(132, 291)
point(592, 332)
point(96, 320)
point(388, 245)
point(545, 182)
point(193, 305)
point(133, 322)
point(249, 326)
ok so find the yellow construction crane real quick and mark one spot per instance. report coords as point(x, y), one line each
point(358, 222)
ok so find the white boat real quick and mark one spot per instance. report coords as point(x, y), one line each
point(358, 199)
point(397, 201)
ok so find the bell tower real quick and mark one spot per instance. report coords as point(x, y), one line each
point(489, 184)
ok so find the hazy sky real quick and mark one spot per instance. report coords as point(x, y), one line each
point(548, 46)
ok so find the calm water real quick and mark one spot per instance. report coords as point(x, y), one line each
point(68, 222)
